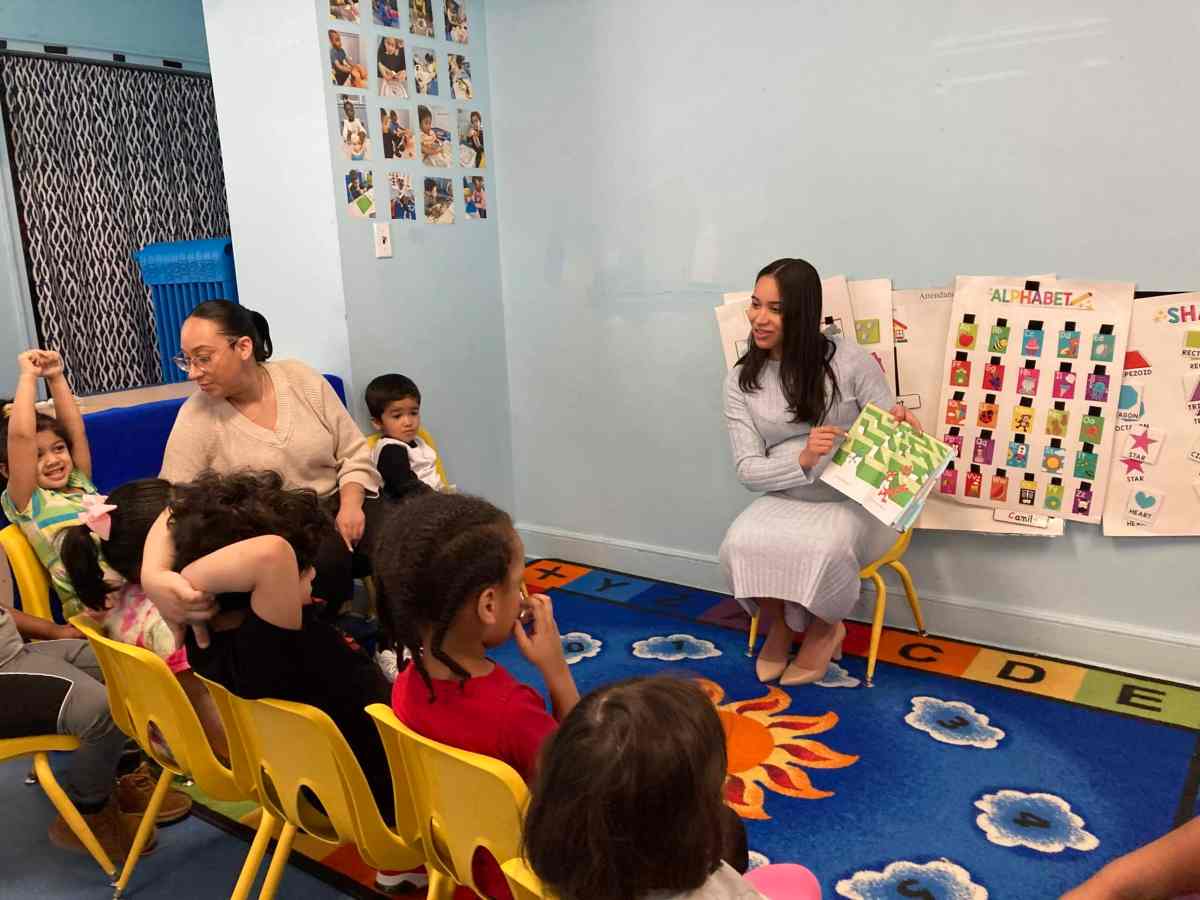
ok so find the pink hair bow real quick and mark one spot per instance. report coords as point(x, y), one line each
point(95, 514)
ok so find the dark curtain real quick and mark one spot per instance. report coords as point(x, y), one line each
point(107, 159)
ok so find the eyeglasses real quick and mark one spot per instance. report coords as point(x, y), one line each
point(203, 362)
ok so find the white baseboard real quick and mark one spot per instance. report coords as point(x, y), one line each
point(1100, 642)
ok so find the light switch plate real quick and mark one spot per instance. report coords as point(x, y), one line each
point(383, 240)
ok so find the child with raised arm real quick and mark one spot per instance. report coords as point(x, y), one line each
point(451, 588)
point(46, 467)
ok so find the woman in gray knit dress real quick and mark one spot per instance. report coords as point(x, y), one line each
point(797, 550)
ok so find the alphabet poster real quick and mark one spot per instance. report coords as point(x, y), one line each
point(1030, 380)
point(871, 302)
point(920, 322)
point(1154, 483)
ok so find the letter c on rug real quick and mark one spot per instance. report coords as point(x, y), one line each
point(907, 652)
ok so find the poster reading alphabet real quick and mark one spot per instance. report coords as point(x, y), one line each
point(1030, 382)
point(1154, 483)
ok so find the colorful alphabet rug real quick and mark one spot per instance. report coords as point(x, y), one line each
point(966, 772)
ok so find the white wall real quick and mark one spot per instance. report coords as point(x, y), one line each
point(269, 76)
point(915, 141)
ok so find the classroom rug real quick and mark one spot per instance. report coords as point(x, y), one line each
point(965, 772)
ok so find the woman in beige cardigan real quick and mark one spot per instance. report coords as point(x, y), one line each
point(278, 416)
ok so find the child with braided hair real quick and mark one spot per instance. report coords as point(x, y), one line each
point(451, 588)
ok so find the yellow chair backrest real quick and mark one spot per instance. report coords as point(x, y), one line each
point(143, 696)
point(463, 801)
point(33, 581)
point(373, 439)
point(298, 753)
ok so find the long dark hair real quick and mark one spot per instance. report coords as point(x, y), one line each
point(434, 554)
point(138, 504)
point(628, 797)
point(806, 361)
point(235, 321)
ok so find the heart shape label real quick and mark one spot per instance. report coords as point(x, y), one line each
point(1145, 501)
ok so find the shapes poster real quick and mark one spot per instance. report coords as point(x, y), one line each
point(888, 467)
point(920, 323)
point(871, 302)
point(1030, 381)
point(1154, 483)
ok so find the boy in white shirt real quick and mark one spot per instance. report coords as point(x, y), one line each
point(407, 463)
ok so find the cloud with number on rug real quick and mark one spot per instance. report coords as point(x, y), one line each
point(953, 722)
point(578, 645)
point(674, 647)
point(1039, 821)
point(940, 878)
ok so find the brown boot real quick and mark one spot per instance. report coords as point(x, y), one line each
point(113, 829)
point(135, 789)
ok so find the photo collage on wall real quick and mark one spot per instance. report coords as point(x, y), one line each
point(406, 113)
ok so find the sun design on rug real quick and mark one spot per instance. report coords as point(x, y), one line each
point(770, 751)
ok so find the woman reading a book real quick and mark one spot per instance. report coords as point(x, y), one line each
point(796, 551)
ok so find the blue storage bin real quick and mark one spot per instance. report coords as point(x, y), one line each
point(181, 275)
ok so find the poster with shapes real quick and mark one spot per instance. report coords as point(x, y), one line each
point(352, 119)
point(395, 128)
point(434, 137)
point(920, 323)
point(475, 196)
point(458, 28)
point(460, 77)
point(425, 71)
point(420, 17)
point(360, 194)
point(871, 302)
point(386, 13)
point(1154, 483)
point(471, 153)
point(403, 200)
point(439, 201)
point(1030, 378)
point(346, 66)
point(392, 68)
point(344, 10)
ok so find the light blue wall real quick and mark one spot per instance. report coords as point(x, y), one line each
point(172, 29)
point(651, 156)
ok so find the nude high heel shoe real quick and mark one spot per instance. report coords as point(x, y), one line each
point(768, 670)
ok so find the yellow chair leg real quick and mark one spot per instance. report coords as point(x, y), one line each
point(66, 809)
point(258, 849)
point(441, 886)
point(145, 829)
point(876, 626)
point(753, 633)
point(911, 593)
point(283, 850)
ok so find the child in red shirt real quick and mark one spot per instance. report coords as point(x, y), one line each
point(451, 587)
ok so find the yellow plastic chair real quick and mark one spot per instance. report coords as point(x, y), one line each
point(298, 756)
point(891, 558)
point(33, 581)
point(463, 801)
point(148, 704)
point(37, 747)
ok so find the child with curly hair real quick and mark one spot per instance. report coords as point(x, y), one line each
point(238, 550)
